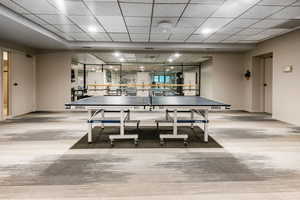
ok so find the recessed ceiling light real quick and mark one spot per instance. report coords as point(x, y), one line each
point(122, 59)
point(92, 29)
point(177, 55)
point(172, 67)
point(206, 31)
point(116, 69)
point(117, 54)
point(167, 70)
point(110, 67)
point(170, 60)
point(60, 5)
point(142, 67)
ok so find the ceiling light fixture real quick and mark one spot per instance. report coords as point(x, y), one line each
point(165, 26)
point(177, 55)
point(117, 54)
point(172, 67)
point(170, 60)
point(122, 59)
point(206, 31)
point(60, 5)
point(92, 29)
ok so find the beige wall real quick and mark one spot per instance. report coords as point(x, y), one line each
point(53, 72)
point(286, 86)
point(222, 79)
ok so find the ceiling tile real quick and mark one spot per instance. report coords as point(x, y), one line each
point(288, 13)
point(190, 22)
point(234, 8)
point(168, 10)
point(80, 36)
point(241, 23)
point(157, 20)
point(216, 2)
point(199, 10)
point(119, 37)
point(183, 30)
point(74, 8)
point(35, 19)
point(83, 20)
point(112, 23)
point(136, 10)
point(297, 3)
point(38, 7)
point(100, 36)
point(171, 1)
point(159, 37)
point(260, 12)
point(267, 23)
point(213, 24)
point(104, 8)
point(250, 31)
point(138, 21)
point(179, 37)
point(13, 6)
point(229, 30)
point(67, 28)
point(196, 38)
point(238, 37)
point(217, 37)
point(139, 37)
point(134, 1)
point(276, 2)
point(138, 29)
point(55, 19)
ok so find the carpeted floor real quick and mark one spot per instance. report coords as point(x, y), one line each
point(148, 138)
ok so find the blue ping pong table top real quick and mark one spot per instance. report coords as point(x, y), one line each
point(146, 101)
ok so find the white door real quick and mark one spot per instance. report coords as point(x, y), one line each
point(268, 65)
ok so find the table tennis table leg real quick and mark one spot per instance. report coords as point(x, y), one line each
point(175, 122)
point(122, 122)
point(90, 127)
point(192, 118)
point(102, 118)
point(206, 126)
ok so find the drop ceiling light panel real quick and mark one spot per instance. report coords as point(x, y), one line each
point(250, 31)
point(234, 8)
point(241, 23)
point(288, 13)
point(139, 37)
point(13, 6)
point(67, 28)
point(190, 22)
point(179, 37)
point(267, 23)
point(138, 29)
point(168, 10)
point(80, 36)
point(99, 8)
point(276, 2)
point(113, 23)
point(138, 21)
point(100, 36)
point(35, 19)
point(75, 8)
point(196, 38)
point(136, 9)
point(260, 12)
point(38, 7)
point(120, 37)
point(199, 10)
point(159, 37)
point(214, 24)
point(55, 19)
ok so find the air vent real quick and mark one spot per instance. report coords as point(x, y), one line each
point(290, 24)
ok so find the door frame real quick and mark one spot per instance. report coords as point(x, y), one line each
point(2, 50)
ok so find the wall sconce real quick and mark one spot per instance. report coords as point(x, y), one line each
point(247, 74)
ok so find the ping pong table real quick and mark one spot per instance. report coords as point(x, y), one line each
point(172, 106)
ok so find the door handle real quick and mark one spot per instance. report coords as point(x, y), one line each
point(265, 85)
